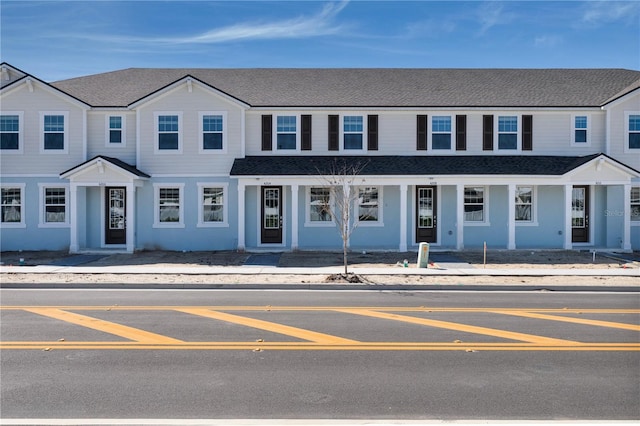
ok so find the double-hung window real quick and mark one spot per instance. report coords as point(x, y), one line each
point(212, 131)
point(635, 204)
point(115, 130)
point(168, 132)
point(12, 205)
point(319, 206)
point(580, 129)
point(53, 202)
point(10, 132)
point(508, 132)
point(524, 204)
point(54, 131)
point(474, 204)
point(286, 132)
point(633, 131)
point(369, 204)
point(212, 210)
point(353, 131)
point(441, 132)
point(169, 205)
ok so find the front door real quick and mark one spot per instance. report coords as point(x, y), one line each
point(271, 232)
point(426, 218)
point(115, 218)
point(580, 214)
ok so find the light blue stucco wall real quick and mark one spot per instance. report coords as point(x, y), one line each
point(447, 217)
point(547, 229)
point(32, 236)
point(375, 237)
point(494, 231)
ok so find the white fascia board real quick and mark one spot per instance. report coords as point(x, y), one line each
point(422, 108)
point(603, 158)
point(621, 99)
point(182, 84)
point(106, 163)
point(38, 84)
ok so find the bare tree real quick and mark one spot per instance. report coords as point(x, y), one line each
point(341, 181)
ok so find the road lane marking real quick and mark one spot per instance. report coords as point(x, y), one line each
point(573, 320)
point(130, 333)
point(460, 327)
point(268, 326)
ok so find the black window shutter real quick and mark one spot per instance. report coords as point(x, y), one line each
point(487, 132)
point(461, 132)
point(527, 132)
point(267, 137)
point(306, 132)
point(372, 133)
point(334, 133)
point(421, 136)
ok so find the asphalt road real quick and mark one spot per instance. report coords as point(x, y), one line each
point(70, 354)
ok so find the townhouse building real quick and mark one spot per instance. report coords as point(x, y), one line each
point(222, 159)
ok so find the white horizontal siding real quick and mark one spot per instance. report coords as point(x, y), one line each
point(97, 136)
point(618, 132)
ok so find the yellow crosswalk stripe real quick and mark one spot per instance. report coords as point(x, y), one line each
point(573, 320)
point(268, 326)
point(130, 333)
point(460, 327)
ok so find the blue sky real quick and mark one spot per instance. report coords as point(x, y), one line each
point(55, 40)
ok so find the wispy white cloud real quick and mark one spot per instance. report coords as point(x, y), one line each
point(598, 13)
point(491, 14)
point(547, 40)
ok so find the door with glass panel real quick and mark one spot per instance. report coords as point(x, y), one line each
point(271, 232)
point(115, 218)
point(580, 214)
point(426, 218)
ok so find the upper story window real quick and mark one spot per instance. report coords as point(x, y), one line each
point(10, 132)
point(353, 131)
point(286, 132)
point(168, 132)
point(580, 129)
point(635, 204)
point(508, 132)
point(474, 204)
point(54, 132)
point(633, 130)
point(212, 208)
point(212, 131)
point(441, 132)
point(115, 129)
point(11, 206)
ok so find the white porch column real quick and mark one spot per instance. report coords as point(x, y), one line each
point(294, 217)
point(459, 216)
point(241, 216)
point(626, 232)
point(131, 216)
point(73, 218)
point(511, 222)
point(403, 218)
point(568, 213)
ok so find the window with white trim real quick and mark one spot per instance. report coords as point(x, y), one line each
point(369, 204)
point(212, 208)
point(635, 204)
point(508, 132)
point(212, 125)
point(580, 129)
point(319, 205)
point(12, 206)
point(11, 132)
point(54, 132)
point(286, 132)
point(115, 130)
point(524, 204)
point(633, 131)
point(474, 204)
point(168, 133)
point(169, 205)
point(53, 202)
point(441, 132)
point(353, 132)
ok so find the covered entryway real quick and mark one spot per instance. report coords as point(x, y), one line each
point(271, 213)
point(580, 214)
point(102, 205)
point(426, 218)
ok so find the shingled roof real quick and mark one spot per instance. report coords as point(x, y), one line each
point(385, 165)
point(371, 87)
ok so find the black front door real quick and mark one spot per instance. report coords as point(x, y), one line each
point(271, 232)
point(580, 214)
point(426, 218)
point(115, 217)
